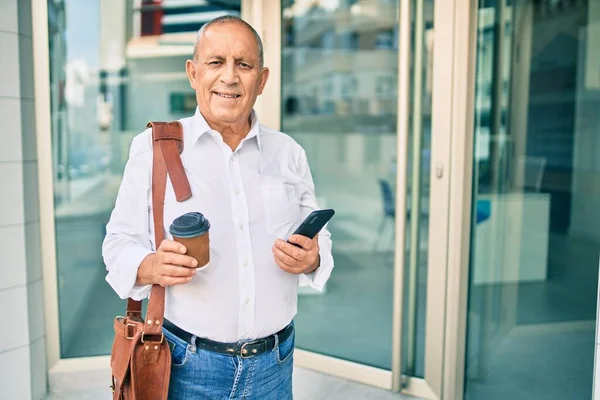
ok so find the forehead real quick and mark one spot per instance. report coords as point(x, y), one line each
point(228, 39)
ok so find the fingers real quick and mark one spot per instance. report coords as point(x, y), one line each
point(177, 271)
point(178, 259)
point(292, 269)
point(289, 249)
point(289, 257)
point(172, 246)
point(295, 260)
point(306, 243)
point(168, 275)
point(285, 258)
point(172, 266)
point(173, 253)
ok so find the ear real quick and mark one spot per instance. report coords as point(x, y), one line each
point(190, 68)
point(264, 76)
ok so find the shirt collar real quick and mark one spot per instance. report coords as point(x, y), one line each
point(200, 127)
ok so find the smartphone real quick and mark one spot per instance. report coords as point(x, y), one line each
point(313, 224)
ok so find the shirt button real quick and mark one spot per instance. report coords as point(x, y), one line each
point(245, 263)
point(247, 301)
point(241, 226)
point(237, 191)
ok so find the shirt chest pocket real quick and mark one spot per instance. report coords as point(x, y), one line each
point(281, 205)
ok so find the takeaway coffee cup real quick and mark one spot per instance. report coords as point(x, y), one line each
point(191, 230)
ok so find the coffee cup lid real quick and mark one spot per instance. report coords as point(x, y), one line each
point(189, 225)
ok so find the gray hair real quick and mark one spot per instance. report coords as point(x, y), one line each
point(230, 19)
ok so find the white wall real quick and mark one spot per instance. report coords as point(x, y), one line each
point(22, 344)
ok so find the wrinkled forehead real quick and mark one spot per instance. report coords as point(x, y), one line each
point(228, 40)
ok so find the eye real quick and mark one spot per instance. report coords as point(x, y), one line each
point(214, 63)
point(244, 65)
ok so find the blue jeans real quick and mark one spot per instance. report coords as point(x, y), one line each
point(202, 374)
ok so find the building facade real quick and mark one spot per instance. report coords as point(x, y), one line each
point(457, 141)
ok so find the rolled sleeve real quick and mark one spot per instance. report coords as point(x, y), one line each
point(127, 240)
point(320, 276)
point(122, 279)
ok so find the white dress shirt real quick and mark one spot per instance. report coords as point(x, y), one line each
point(251, 196)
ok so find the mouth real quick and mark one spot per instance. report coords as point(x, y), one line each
point(228, 95)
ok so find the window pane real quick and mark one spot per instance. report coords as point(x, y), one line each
point(535, 241)
point(113, 68)
point(339, 102)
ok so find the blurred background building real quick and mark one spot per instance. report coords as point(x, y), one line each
point(458, 141)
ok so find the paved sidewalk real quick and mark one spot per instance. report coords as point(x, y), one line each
point(308, 385)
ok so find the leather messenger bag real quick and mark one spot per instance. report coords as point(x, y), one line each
point(141, 358)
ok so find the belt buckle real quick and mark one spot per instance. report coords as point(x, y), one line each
point(243, 350)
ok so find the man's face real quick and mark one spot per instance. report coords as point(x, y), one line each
point(226, 75)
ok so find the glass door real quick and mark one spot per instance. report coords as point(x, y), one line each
point(534, 236)
point(364, 87)
point(339, 100)
point(103, 90)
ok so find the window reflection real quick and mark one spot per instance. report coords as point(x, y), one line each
point(114, 66)
point(535, 242)
point(339, 101)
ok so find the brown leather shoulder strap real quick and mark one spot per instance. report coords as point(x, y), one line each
point(169, 135)
point(167, 145)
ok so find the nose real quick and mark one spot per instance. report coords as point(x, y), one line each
point(229, 74)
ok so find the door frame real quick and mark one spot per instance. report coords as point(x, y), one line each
point(266, 17)
point(450, 210)
point(460, 204)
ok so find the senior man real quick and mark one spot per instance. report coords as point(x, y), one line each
point(254, 185)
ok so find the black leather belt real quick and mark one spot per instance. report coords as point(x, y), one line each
point(245, 350)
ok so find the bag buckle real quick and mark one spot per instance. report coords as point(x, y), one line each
point(122, 320)
point(127, 331)
point(162, 337)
